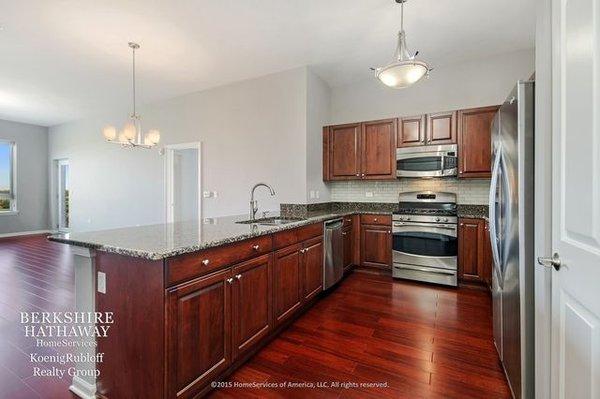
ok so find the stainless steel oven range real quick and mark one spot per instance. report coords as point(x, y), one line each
point(425, 237)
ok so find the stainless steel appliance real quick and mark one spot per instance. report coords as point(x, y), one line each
point(425, 237)
point(333, 265)
point(511, 233)
point(427, 161)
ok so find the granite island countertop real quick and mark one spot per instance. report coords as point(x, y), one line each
point(160, 241)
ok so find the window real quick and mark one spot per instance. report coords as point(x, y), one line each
point(8, 199)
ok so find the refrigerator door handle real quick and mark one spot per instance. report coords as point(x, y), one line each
point(492, 211)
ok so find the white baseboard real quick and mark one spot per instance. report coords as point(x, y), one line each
point(83, 389)
point(25, 233)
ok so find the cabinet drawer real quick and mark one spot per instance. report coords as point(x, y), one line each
point(189, 266)
point(289, 237)
point(383, 220)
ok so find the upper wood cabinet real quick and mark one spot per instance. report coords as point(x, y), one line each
point(441, 128)
point(378, 149)
point(474, 142)
point(360, 151)
point(343, 155)
point(411, 131)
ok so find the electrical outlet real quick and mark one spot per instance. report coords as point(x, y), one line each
point(317, 194)
point(215, 194)
point(101, 282)
point(206, 194)
point(312, 194)
point(369, 194)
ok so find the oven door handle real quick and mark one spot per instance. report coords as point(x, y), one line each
point(428, 270)
point(437, 226)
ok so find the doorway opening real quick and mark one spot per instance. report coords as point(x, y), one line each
point(62, 194)
point(183, 187)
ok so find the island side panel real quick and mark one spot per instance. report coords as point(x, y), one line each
point(134, 358)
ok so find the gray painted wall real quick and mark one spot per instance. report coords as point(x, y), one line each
point(251, 131)
point(32, 177)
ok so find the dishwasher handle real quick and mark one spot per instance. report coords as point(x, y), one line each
point(334, 224)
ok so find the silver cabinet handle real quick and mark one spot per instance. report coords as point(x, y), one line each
point(205, 262)
point(554, 261)
point(358, 174)
point(303, 250)
point(256, 247)
point(344, 233)
point(238, 276)
point(230, 280)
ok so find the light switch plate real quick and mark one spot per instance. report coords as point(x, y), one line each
point(101, 282)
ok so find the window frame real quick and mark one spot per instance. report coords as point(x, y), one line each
point(13, 179)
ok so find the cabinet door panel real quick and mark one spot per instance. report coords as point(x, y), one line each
point(199, 322)
point(378, 147)
point(312, 268)
point(474, 142)
point(348, 246)
point(287, 283)
point(470, 255)
point(441, 128)
point(376, 246)
point(251, 311)
point(411, 131)
point(344, 152)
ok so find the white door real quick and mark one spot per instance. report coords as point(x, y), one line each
point(62, 195)
point(576, 199)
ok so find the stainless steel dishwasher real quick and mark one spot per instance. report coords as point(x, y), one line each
point(333, 265)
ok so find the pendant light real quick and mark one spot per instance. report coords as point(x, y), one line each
point(131, 134)
point(404, 70)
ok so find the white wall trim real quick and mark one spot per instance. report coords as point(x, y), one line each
point(168, 152)
point(82, 388)
point(25, 233)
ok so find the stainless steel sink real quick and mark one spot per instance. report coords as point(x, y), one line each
point(271, 221)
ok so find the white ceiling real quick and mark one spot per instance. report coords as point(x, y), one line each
point(66, 59)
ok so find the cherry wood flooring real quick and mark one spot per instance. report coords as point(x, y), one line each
point(421, 341)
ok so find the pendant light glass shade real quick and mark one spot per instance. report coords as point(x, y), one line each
point(131, 135)
point(405, 70)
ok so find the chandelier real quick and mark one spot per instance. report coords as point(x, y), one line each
point(131, 135)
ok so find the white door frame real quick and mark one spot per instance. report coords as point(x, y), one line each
point(169, 151)
point(543, 196)
point(59, 195)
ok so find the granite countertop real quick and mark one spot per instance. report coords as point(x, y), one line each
point(160, 241)
point(473, 211)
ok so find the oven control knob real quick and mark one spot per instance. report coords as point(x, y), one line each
point(407, 218)
point(445, 220)
point(437, 219)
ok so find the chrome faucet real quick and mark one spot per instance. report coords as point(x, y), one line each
point(253, 203)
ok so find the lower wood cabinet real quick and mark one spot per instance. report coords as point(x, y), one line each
point(251, 303)
point(198, 333)
point(376, 246)
point(311, 264)
point(473, 252)
point(287, 283)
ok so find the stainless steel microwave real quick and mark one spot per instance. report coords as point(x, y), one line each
point(427, 161)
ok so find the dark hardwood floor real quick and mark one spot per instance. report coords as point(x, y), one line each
point(419, 340)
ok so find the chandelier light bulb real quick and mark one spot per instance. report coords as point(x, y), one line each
point(153, 136)
point(129, 131)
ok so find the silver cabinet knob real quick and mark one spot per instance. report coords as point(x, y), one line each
point(230, 280)
point(238, 276)
point(205, 262)
point(554, 261)
point(358, 174)
point(256, 247)
point(374, 219)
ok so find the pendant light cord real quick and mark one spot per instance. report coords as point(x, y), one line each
point(133, 83)
point(402, 16)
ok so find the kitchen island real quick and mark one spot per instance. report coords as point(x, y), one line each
point(190, 301)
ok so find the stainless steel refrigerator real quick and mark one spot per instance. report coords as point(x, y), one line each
point(511, 233)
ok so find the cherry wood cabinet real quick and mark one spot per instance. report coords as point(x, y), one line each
point(199, 326)
point(348, 239)
point(360, 151)
point(474, 141)
point(378, 149)
point(287, 283)
point(376, 243)
point(441, 128)
point(342, 156)
point(312, 268)
point(474, 252)
point(411, 131)
point(251, 303)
